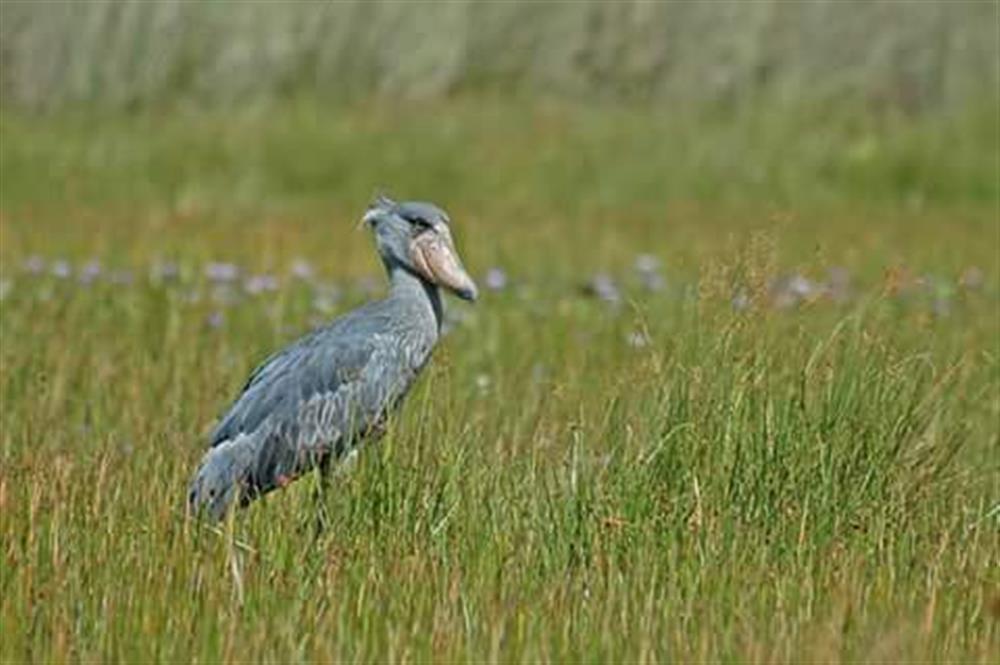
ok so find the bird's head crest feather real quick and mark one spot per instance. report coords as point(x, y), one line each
point(380, 202)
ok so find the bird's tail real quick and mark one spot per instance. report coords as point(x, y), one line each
point(239, 470)
point(224, 477)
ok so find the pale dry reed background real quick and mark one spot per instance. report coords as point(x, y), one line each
point(910, 54)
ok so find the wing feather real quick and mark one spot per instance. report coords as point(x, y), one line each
point(290, 378)
point(316, 398)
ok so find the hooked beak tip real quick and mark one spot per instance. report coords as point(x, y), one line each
point(469, 293)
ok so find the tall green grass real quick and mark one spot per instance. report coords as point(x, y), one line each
point(669, 479)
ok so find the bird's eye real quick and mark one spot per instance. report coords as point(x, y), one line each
point(420, 224)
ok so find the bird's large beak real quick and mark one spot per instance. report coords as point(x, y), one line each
point(434, 256)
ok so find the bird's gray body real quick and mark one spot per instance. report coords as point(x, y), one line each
point(318, 398)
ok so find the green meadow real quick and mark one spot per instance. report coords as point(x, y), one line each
point(730, 394)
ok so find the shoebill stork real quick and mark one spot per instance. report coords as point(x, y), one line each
point(319, 398)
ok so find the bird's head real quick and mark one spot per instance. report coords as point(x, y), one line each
point(416, 236)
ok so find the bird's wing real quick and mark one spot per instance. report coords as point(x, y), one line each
point(287, 379)
point(314, 399)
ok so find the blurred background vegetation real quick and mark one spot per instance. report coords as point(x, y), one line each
point(912, 56)
point(574, 107)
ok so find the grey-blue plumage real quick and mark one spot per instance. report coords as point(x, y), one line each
point(317, 399)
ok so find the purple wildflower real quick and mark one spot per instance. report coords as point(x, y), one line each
point(603, 287)
point(647, 263)
point(648, 268)
point(61, 269)
point(89, 271)
point(941, 292)
point(221, 272)
point(741, 301)
point(496, 279)
point(302, 269)
point(972, 278)
point(166, 271)
point(257, 284)
point(215, 319)
point(801, 286)
point(791, 290)
point(34, 264)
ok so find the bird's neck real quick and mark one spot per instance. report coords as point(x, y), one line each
point(409, 289)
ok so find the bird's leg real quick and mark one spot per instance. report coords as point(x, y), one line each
point(319, 496)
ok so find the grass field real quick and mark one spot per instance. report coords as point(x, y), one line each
point(731, 392)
